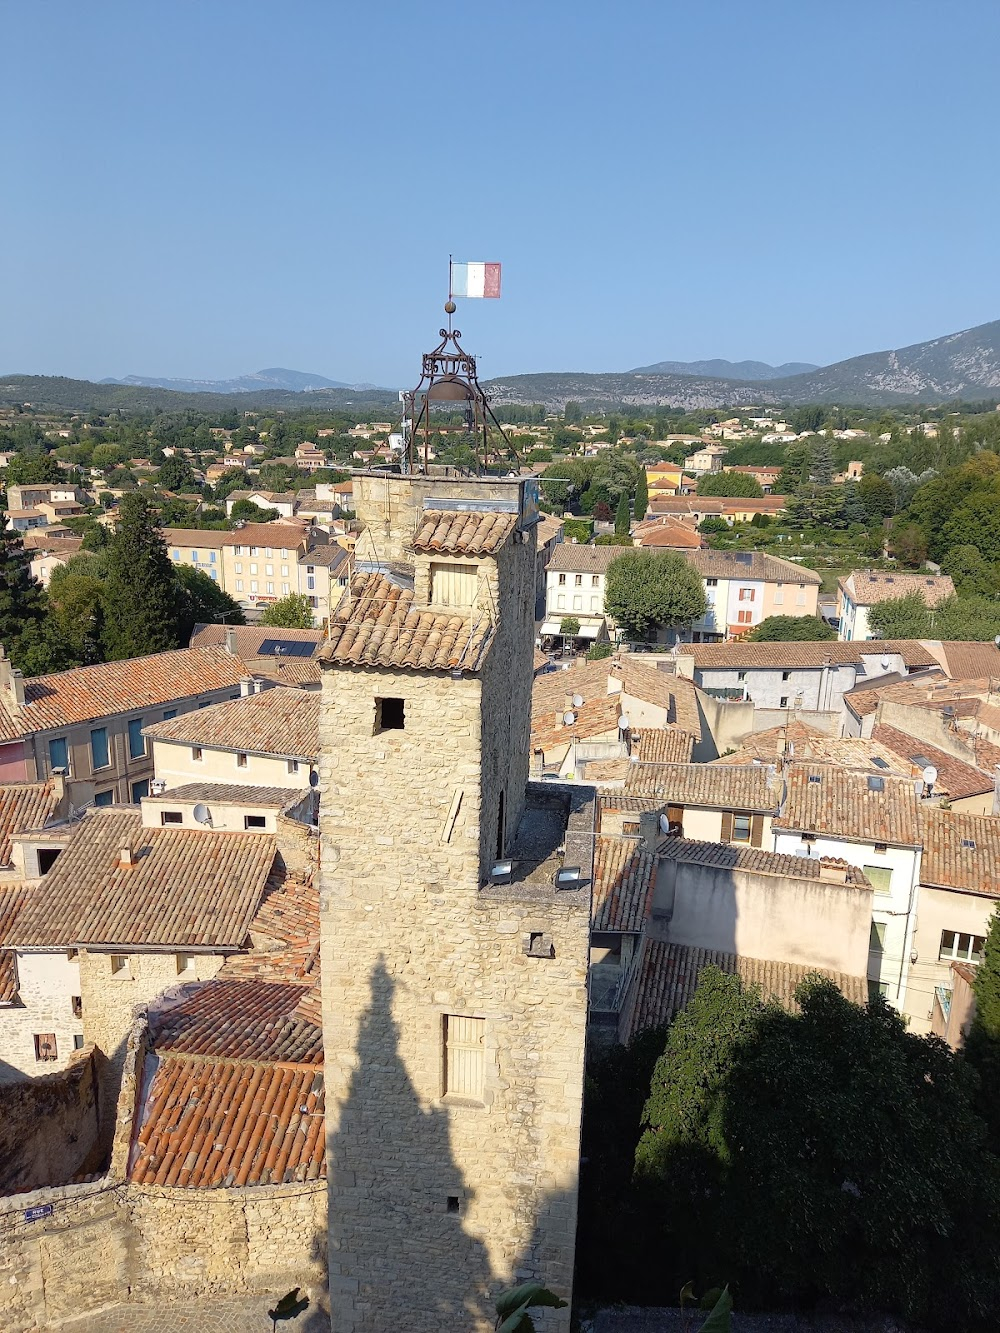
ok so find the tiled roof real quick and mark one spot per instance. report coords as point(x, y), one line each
point(25, 805)
point(704, 504)
point(785, 656)
point(668, 976)
point(465, 533)
point(209, 538)
point(928, 690)
point(550, 690)
point(231, 793)
point(331, 556)
point(868, 587)
point(12, 900)
point(379, 626)
point(754, 860)
point(213, 1123)
point(110, 688)
point(670, 533)
point(250, 637)
point(750, 565)
point(849, 751)
point(237, 1020)
point(285, 935)
point(187, 888)
point(960, 851)
point(824, 798)
point(767, 746)
point(595, 717)
point(277, 536)
point(575, 558)
point(663, 745)
point(548, 527)
point(675, 694)
point(277, 721)
point(956, 778)
point(623, 885)
point(747, 788)
point(968, 661)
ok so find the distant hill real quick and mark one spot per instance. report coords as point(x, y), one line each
point(294, 381)
point(753, 371)
point(960, 365)
point(56, 393)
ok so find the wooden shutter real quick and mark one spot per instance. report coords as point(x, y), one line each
point(756, 830)
point(464, 1056)
point(453, 585)
point(727, 826)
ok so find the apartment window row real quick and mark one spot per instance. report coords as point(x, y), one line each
point(100, 744)
point(120, 965)
point(961, 947)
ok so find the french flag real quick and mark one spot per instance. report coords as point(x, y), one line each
point(475, 279)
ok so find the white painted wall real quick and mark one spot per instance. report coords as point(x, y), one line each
point(48, 981)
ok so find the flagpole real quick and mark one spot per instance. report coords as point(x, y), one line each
point(450, 298)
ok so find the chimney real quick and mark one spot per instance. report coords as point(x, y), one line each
point(649, 830)
point(127, 859)
point(247, 687)
point(833, 869)
point(231, 639)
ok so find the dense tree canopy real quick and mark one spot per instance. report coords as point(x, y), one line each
point(730, 483)
point(791, 629)
point(203, 602)
point(649, 590)
point(142, 598)
point(291, 612)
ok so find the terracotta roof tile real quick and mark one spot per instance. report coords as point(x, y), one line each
point(214, 1123)
point(675, 694)
point(463, 533)
point(750, 565)
point(670, 533)
point(250, 637)
point(848, 751)
point(232, 793)
point(13, 897)
point(663, 745)
point(550, 690)
point(596, 717)
point(864, 806)
point(960, 851)
point(111, 688)
point(955, 778)
point(576, 558)
point(187, 888)
point(668, 976)
point(623, 885)
point(277, 721)
point(236, 1020)
point(749, 788)
point(379, 626)
point(805, 655)
point(969, 661)
point(868, 587)
point(756, 860)
point(25, 805)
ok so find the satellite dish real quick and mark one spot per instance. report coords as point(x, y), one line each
point(623, 722)
point(930, 775)
point(313, 778)
point(568, 719)
point(664, 824)
point(577, 700)
point(202, 813)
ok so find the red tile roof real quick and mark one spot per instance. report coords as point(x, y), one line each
point(867, 587)
point(751, 787)
point(111, 688)
point(850, 803)
point(960, 851)
point(237, 1020)
point(187, 888)
point(956, 778)
point(802, 655)
point(726, 856)
point(12, 900)
point(277, 721)
point(25, 805)
point(623, 885)
point(379, 626)
point(663, 745)
point(464, 533)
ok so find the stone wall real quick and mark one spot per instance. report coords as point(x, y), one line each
point(47, 982)
point(48, 1126)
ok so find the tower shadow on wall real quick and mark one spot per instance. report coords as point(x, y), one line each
point(399, 1248)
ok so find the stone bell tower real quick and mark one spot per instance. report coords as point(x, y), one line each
point(454, 968)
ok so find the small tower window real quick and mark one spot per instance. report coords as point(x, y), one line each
point(388, 715)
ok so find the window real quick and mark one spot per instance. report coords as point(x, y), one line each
point(76, 1005)
point(237, 550)
point(293, 765)
point(968, 948)
point(211, 557)
point(284, 571)
point(239, 585)
point(119, 965)
point(783, 701)
point(284, 589)
point(389, 715)
point(879, 849)
point(741, 828)
point(171, 817)
point(779, 595)
point(239, 566)
point(747, 594)
point(254, 550)
point(311, 569)
point(59, 753)
point(876, 940)
point(786, 675)
point(310, 582)
point(213, 574)
point(880, 878)
point(577, 580)
point(269, 571)
point(464, 1057)
point(577, 603)
point(284, 554)
point(255, 821)
point(196, 754)
point(268, 551)
point(711, 583)
point(194, 557)
point(253, 569)
point(99, 753)
point(45, 1046)
point(745, 618)
point(176, 554)
point(253, 585)
point(105, 797)
point(270, 587)
point(171, 712)
point(136, 740)
point(185, 963)
point(595, 581)
point(800, 596)
point(741, 675)
point(139, 790)
point(77, 1042)
point(562, 580)
point(241, 761)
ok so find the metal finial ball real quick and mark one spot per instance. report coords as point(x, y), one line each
point(450, 307)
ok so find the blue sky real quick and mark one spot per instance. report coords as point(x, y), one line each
point(208, 187)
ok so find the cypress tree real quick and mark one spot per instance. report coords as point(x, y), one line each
point(142, 606)
point(641, 496)
point(622, 516)
point(22, 600)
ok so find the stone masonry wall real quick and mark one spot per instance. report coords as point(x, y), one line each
point(48, 1125)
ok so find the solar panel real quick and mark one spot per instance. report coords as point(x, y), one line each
point(286, 648)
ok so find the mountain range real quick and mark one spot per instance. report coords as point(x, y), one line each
point(727, 370)
point(962, 365)
point(294, 381)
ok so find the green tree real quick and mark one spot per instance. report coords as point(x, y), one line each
point(22, 602)
point(982, 1042)
point(569, 627)
point(142, 607)
point(730, 483)
point(821, 460)
point(795, 470)
point(901, 618)
point(646, 590)
point(876, 496)
point(791, 629)
point(971, 573)
point(641, 496)
point(233, 479)
point(967, 618)
point(622, 516)
point(908, 543)
point(108, 456)
point(76, 600)
point(203, 602)
point(291, 612)
point(36, 469)
point(176, 474)
point(572, 414)
point(817, 507)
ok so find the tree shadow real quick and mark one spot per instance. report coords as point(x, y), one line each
point(400, 1254)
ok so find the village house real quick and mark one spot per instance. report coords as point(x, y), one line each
point(696, 508)
point(260, 562)
point(864, 588)
point(575, 579)
point(667, 534)
point(87, 724)
point(285, 502)
point(271, 656)
point(708, 458)
point(744, 588)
